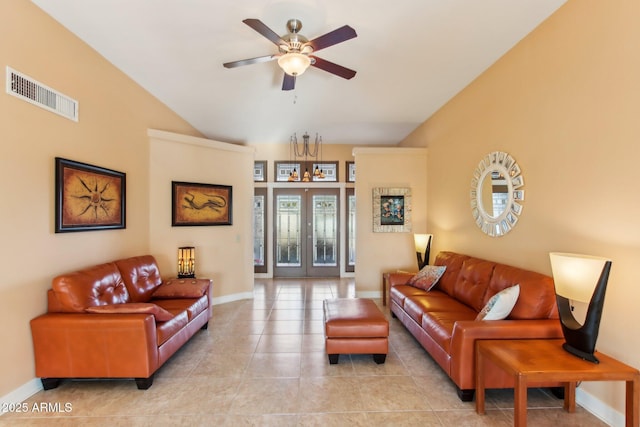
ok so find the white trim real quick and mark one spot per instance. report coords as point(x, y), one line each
point(22, 393)
point(202, 142)
point(369, 294)
point(599, 409)
point(388, 150)
point(232, 298)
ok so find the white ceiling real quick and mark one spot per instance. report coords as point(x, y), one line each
point(411, 56)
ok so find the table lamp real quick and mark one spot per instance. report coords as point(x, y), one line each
point(186, 262)
point(580, 278)
point(423, 246)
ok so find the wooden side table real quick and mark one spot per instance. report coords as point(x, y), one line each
point(546, 361)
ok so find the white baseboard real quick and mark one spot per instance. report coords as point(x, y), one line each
point(232, 298)
point(369, 294)
point(21, 394)
point(599, 409)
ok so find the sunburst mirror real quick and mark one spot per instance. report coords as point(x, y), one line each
point(497, 194)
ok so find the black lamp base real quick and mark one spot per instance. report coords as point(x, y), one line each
point(580, 339)
point(581, 354)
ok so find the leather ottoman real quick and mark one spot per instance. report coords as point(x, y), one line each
point(355, 326)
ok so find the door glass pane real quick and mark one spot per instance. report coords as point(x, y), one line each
point(258, 230)
point(351, 232)
point(288, 222)
point(325, 230)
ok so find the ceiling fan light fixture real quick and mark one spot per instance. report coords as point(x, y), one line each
point(294, 63)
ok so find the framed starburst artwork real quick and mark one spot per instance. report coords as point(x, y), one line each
point(88, 197)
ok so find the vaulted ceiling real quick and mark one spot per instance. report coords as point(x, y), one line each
point(411, 57)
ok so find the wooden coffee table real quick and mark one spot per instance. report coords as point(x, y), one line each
point(546, 361)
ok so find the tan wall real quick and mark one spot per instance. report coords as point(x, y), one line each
point(380, 252)
point(565, 103)
point(224, 253)
point(112, 132)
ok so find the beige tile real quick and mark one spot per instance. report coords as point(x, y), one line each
point(241, 327)
point(469, 418)
point(351, 419)
point(313, 327)
point(554, 417)
point(293, 314)
point(258, 396)
point(403, 418)
point(232, 344)
point(389, 393)
point(275, 420)
point(283, 327)
point(313, 343)
point(316, 364)
point(223, 365)
point(280, 343)
point(364, 365)
point(441, 393)
point(536, 398)
point(330, 394)
point(274, 365)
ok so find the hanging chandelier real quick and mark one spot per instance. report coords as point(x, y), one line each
point(304, 151)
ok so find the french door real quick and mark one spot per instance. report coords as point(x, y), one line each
point(306, 232)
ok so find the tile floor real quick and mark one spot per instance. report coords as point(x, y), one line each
point(262, 363)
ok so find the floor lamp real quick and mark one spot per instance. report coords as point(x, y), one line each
point(580, 278)
point(423, 246)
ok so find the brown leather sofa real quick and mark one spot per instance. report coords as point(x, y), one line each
point(117, 320)
point(443, 318)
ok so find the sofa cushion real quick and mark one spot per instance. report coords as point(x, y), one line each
point(500, 305)
point(537, 294)
point(93, 286)
point(140, 275)
point(427, 277)
point(473, 282)
point(417, 305)
point(453, 262)
point(182, 288)
point(193, 306)
point(158, 312)
point(398, 293)
point(165, 330)
point(439, 325)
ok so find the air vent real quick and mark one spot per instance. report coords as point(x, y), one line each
point(31, 90)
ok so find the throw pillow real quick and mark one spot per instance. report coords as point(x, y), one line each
point(427, 277)
point(500, 305)
point(182, 288)
point(159, 313)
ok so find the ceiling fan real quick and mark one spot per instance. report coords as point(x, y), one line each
point(296, 51)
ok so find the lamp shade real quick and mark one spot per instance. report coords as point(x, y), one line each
point(576, 276)
point(293, 63)
point(421, 241)
point(186, 262)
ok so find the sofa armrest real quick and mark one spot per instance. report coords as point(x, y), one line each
point(465, 333)
point(94, 345)
point(398, 278)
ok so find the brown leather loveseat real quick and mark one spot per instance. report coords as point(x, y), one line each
point(117, 320)
point(443, 319)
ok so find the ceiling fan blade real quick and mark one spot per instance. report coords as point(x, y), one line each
point(267, 32)
point(332, 68)
point(289, 82)
point(334, 37)
point(256, 60)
